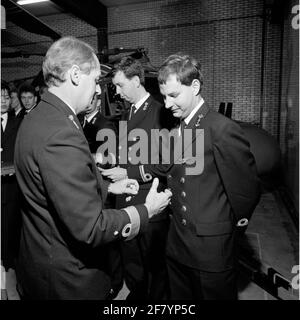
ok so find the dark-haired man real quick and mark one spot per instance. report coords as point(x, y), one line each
point(214, 184)
point(28, 97)
point(143, 257)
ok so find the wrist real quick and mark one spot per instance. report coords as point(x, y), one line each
point(109, 188)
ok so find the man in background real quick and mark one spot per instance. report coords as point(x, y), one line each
point(92, 121)
point(16, 104)
point(28, 97)
point(144, 259)
point(10, 197)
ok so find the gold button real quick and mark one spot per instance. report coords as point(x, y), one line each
point(120, 147)
point(183, 222)
point(169, 176)
point(182, 180)
point(183, 194)
point(183, 208)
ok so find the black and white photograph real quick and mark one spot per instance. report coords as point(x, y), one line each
point(149, 153)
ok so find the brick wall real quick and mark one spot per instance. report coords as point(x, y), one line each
point(225, 35)
point(289, 111)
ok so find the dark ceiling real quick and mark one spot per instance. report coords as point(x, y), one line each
point(29, 17)
point(48, 8)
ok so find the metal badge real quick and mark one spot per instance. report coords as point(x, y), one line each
point(145, 106)
point(197, 124)
point(72, 119)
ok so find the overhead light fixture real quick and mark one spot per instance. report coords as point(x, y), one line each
point(23, 2)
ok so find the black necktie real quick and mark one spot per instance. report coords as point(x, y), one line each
point(182, 126)
point(132, 111)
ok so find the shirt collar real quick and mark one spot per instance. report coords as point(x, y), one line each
point(90, 116)
point(190, 116)
point(4, 116)
point(18, 111)
point(141, 101)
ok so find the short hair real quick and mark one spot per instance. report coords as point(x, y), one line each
point(5, 86)
point(26, 87)
point(62, 55)
point(131, 67)
point(14, 89)
point(185, 67)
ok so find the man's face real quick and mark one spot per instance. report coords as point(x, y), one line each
point(5, 101)
point(15, 103)
point(88, 87)
point(125, 87)
point(28, 100)
point(178, 97)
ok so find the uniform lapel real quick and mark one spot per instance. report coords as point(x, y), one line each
point(140, 114)
point(58, 104)
point(195, 123)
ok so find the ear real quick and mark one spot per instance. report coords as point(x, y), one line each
point(196, 86)
point(136, 80)
point(75, 75)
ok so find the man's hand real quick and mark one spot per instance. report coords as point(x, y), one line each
point(156, 202)
point(115, 174)
point(127, 186)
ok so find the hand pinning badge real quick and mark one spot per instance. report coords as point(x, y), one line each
point(72, 119)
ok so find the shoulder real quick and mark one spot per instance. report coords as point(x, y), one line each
point(221, 127)
point(219, 122)
point(45, 121)
point(154, 102)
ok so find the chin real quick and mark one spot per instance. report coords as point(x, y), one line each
point(177, 114)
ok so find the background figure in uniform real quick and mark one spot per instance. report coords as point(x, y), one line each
point(215, 189)
point(65, 228)
point(10, 197)
point(92, 121)
point(16, 104)
point(143, 257)
point(28, 97)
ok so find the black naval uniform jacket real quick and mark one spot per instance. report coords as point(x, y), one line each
point(151, 115)
point(10, 213)
point(207, 206)
point(91, 128)
point(65, 231)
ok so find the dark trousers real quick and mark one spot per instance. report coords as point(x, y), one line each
point(187, 283)
point(144, 263)
point(10, 221)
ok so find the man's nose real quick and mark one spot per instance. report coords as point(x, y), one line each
point(98, 89)
point(168, 103)
point(118, 90)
